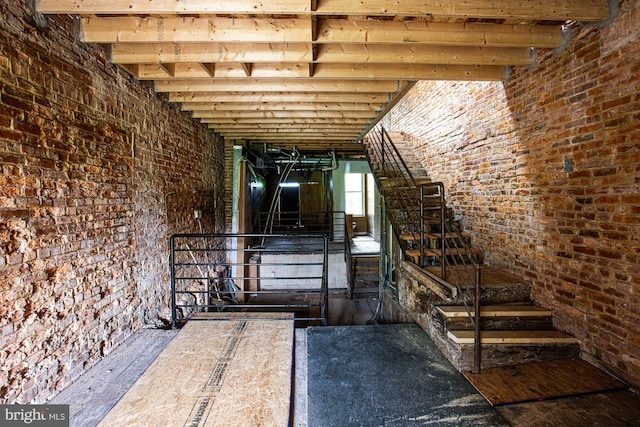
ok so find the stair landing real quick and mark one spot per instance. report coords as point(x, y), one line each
point(498, 286)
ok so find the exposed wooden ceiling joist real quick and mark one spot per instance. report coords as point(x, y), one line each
point(284, 115)
point(128, 53)
point(378, 98)
point(278, 30)
point(275, 85)
point(318, 72)
point(409, 72)
point(306, 121)
point(586, 10)
point(284, 106)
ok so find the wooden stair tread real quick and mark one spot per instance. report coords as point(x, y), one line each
point(437, 252)
point(453, 311)
point(395, 180)
point(409, 236)
point(514, 337)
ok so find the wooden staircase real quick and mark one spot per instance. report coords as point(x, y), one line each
point(511, 334)
point(513, 329)
point(366, 273)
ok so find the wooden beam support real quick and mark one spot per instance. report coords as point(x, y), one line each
point(422, 54)
point(273, 125)
point(410, 72)
point(129, 53)
point(324, 71)
point(288, 137)
point(295, 121)
point(283, 114)
point(275, 85)
point(168, 7)
point(209, 68)
point(257, 97)
point(195, 30)
point(279, 106)
point(287, 125)
point(438, 33)
point(246, 67)
point(320, 146)
point(169, 69)
point(549, 10)
point(133, 69)
point(281, 130)
point(555, 10)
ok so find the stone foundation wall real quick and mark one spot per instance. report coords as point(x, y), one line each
point(96, 172)
point(544, 170)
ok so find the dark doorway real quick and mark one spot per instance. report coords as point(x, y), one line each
point(290, 206)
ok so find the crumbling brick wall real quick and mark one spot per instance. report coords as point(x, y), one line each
point(96, 172)
point(544, 168)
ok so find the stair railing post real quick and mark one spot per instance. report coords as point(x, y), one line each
point(172, 261)
point(382, 161)
point(421, 229)
point(477, 344)
point(443, 259)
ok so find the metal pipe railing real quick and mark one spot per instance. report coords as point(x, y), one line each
point(239, 272)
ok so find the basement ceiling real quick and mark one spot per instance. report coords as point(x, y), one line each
point(315, 74)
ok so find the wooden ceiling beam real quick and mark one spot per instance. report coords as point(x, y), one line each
point(288, 129)
point(318, 144)
point(438, 33)
point(422, 54)
point(162, 52)
point(410, 72)
point(215, 29)
point(128, 53)
point(168, 7)
point(293, 136)
point(366, 98)
point(285, 115)
point(293, 121)
point(310, 144)
point(275, 85)
point(287, 125)
point(282, 106)
point(193, 29)
point(555, 10)
point(186, 70)
point(322, 71)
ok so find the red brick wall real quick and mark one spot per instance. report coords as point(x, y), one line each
point(96, 172)
point(501, 149)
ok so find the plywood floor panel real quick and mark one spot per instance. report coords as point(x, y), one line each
point(541, 381)
point(231, 373)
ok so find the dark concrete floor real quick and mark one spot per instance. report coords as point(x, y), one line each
point(607, 409)
point(387, 375)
